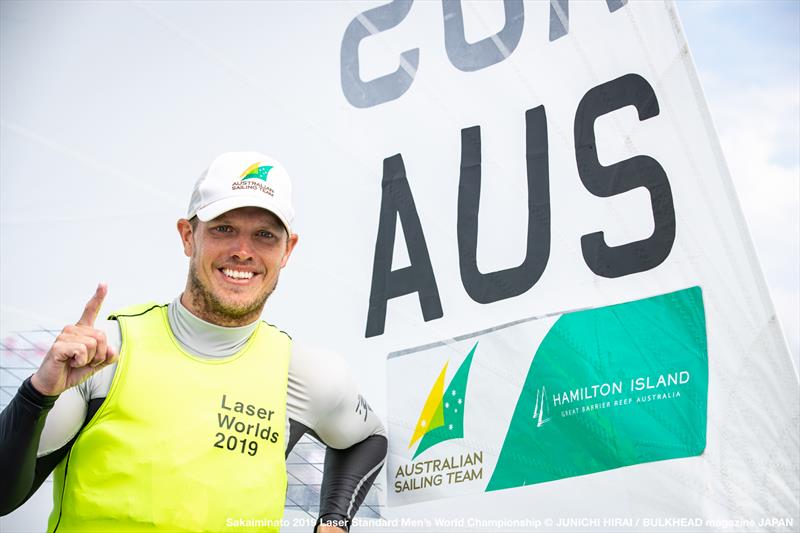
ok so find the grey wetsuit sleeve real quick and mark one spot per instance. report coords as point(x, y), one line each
point(324, 398)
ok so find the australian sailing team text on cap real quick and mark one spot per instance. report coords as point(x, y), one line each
point(243, 179)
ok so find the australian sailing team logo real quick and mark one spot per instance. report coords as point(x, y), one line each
point(441, 419)
point(256, 171)
point(442, 416)
point(254, 177)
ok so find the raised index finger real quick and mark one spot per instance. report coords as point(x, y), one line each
point(92, 308)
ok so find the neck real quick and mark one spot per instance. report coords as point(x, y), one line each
point(204, 339)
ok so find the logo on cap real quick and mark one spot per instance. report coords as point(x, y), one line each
point(257, 172)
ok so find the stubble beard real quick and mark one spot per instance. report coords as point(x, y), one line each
point(212, 309)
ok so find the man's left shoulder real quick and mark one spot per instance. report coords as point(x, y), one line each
point(321, 373)
point(316, 360)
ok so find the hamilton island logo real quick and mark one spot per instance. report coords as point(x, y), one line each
point(442, 416)
point(254, 178)
point(541, 411)
point(256, 172)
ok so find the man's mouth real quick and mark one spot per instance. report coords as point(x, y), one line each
point(237, 274)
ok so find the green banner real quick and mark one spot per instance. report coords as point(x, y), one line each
point(611, 387)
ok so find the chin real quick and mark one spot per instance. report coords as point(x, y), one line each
point(230, 303)
point(243, 306)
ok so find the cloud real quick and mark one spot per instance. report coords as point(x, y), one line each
point(759, 129)
point(748, 58)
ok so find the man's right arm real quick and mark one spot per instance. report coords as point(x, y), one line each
point(78, 352)
point(38, 431)
point(21, 425)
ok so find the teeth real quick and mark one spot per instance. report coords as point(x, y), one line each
point(237, 274)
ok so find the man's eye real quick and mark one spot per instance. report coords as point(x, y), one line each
point(223, 229)
point(266, 234)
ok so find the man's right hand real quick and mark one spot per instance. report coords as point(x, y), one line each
point(79, 352)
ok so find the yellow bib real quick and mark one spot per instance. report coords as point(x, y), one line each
point(181, 443)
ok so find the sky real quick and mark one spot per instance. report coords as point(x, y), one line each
point(748, 58)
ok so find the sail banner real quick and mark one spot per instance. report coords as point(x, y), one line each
point(604, 388)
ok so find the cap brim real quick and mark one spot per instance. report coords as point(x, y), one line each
point(215, 209)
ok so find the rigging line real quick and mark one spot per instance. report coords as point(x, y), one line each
point(85, 160)
point(32, 218)
point(33, 365)
point(32, 315)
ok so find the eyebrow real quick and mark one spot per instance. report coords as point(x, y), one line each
point(269, 223)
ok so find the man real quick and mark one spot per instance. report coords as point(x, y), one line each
point(179, 417)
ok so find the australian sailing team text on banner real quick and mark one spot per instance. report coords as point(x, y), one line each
point(560, 279)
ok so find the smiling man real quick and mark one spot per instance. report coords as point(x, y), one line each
point(225, 286)
point(179, 417)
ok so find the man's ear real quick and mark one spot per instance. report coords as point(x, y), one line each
point(187, 236)
point(290, 244)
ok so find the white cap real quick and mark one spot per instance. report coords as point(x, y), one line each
point(243, 179)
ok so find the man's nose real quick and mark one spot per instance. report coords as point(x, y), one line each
point(242, 249)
